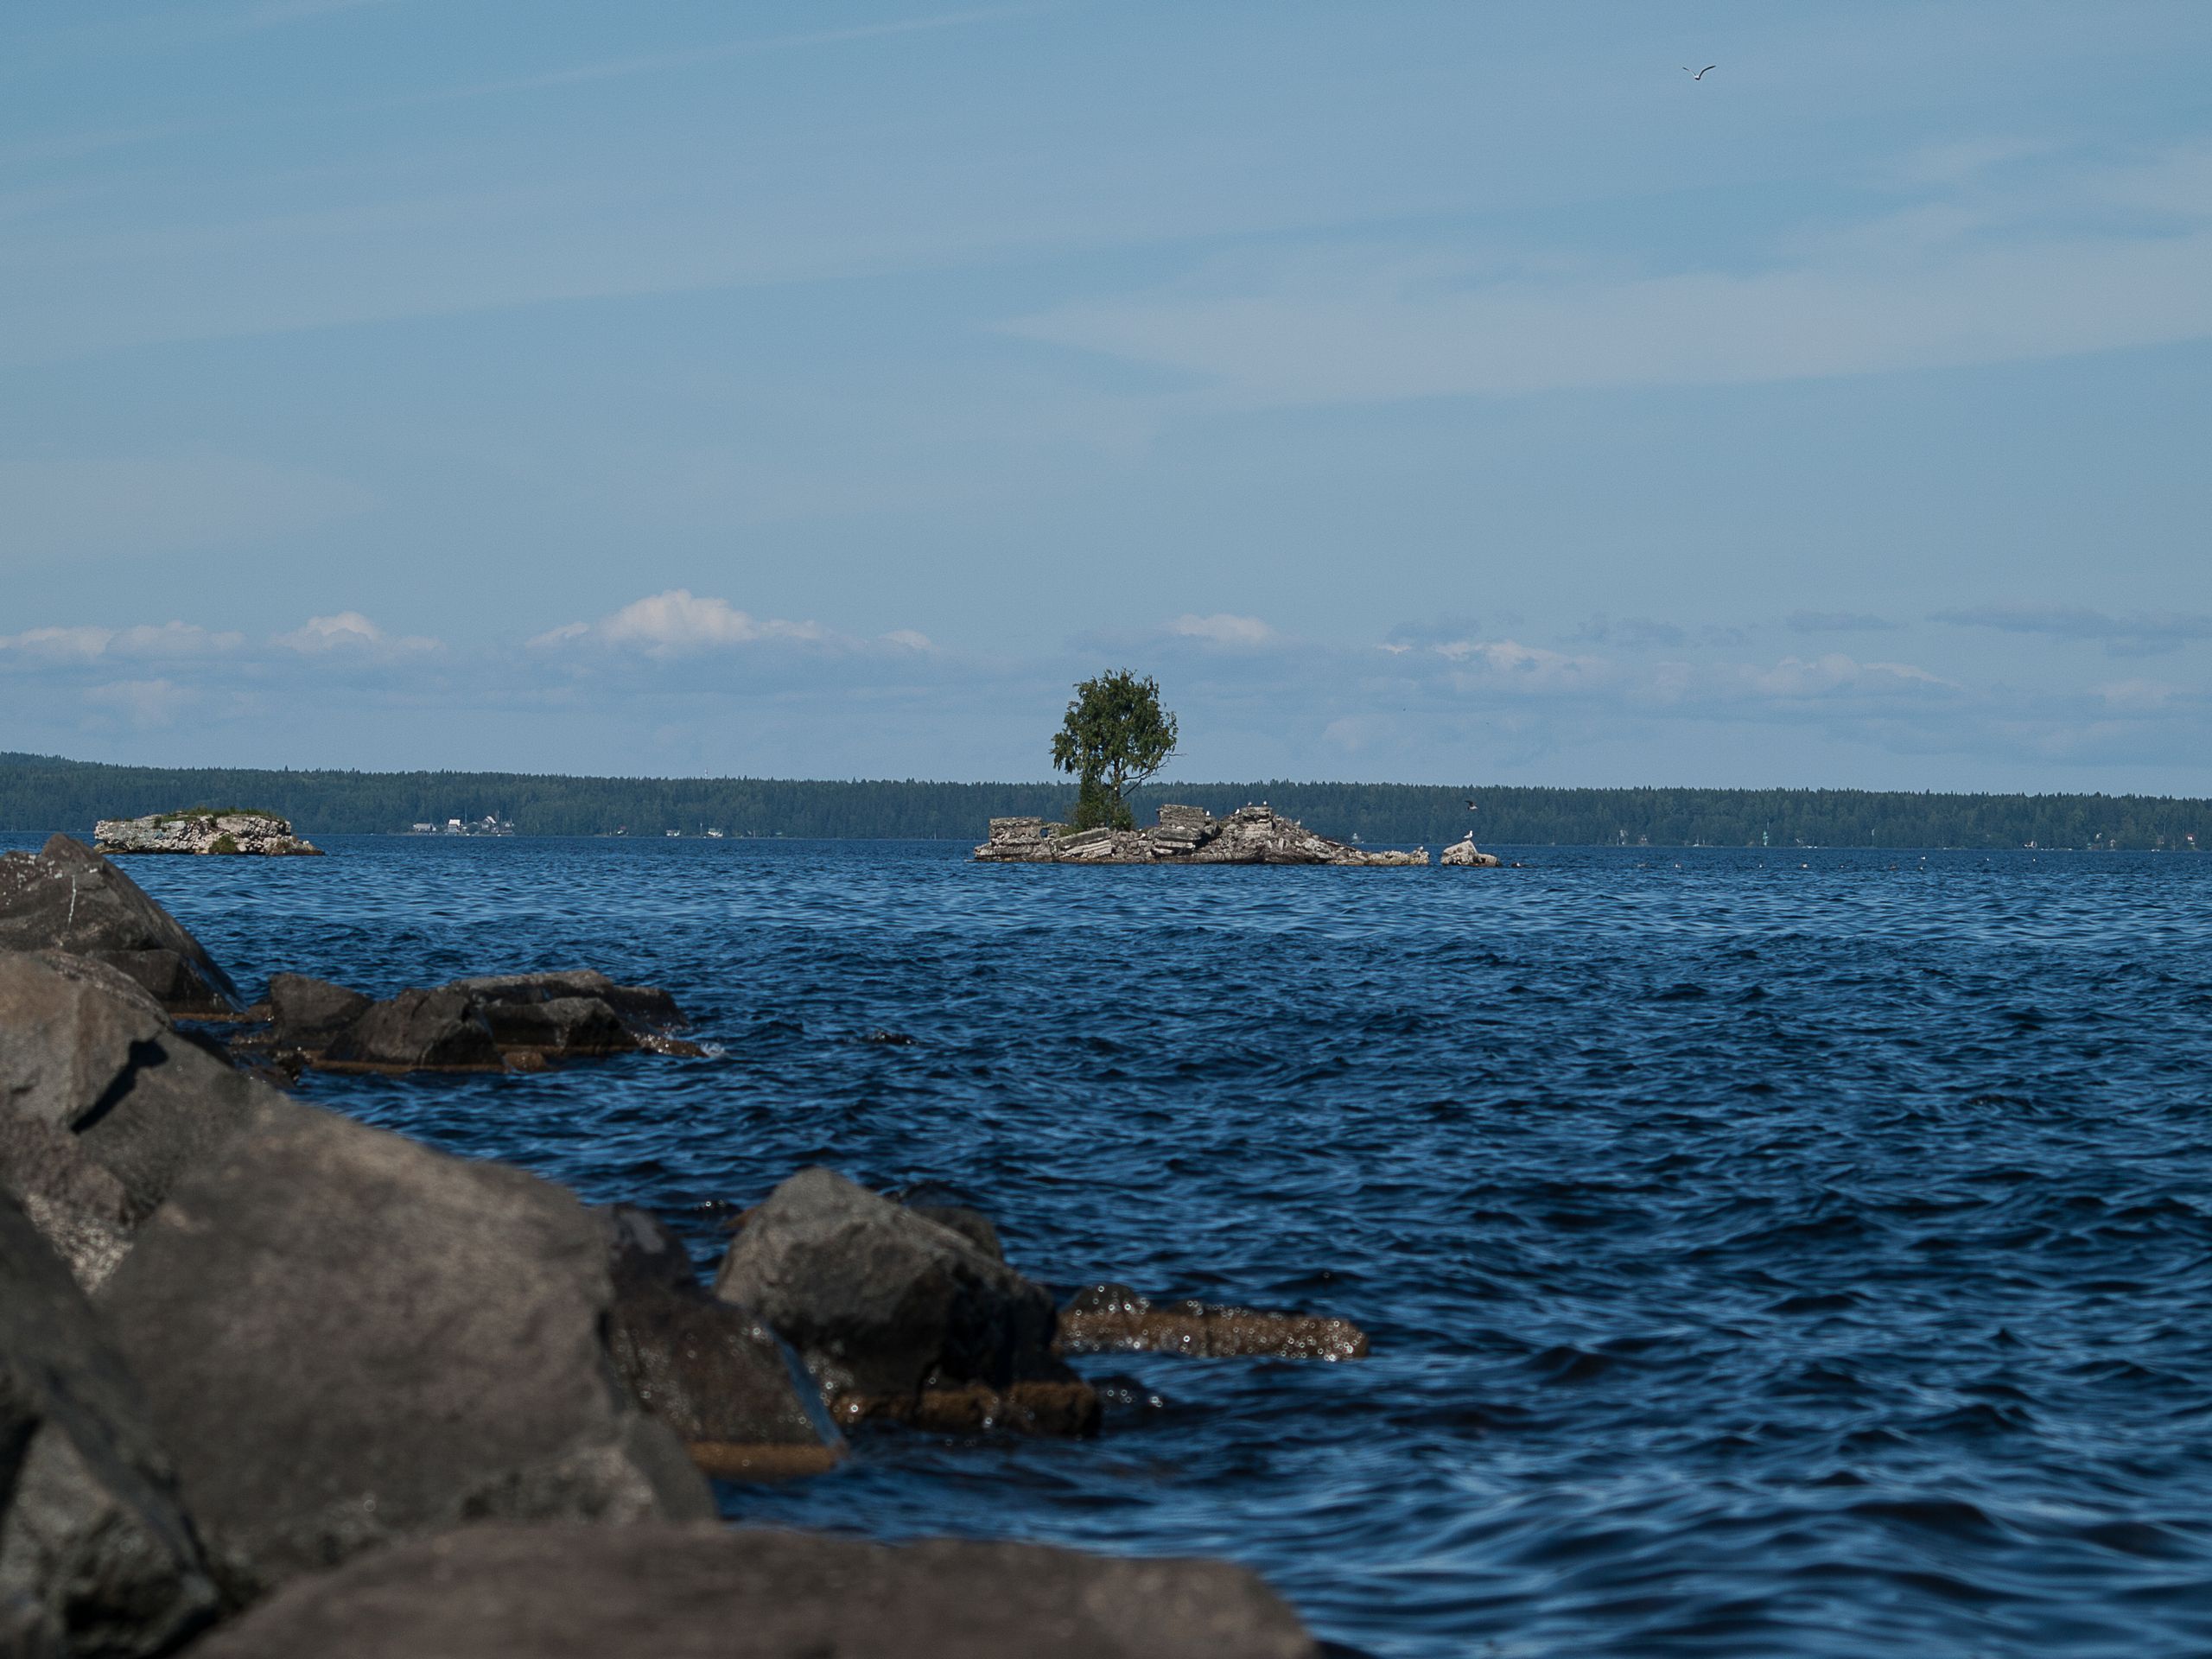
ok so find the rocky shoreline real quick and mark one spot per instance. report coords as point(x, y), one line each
point(285, 1383)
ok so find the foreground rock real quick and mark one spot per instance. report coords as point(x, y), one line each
point(347, 1340)
point(519, 1022)
point(669, 1592)
point(104, 1103)
point(1185, 835)
point(96, 1554)
point(715, 1374)
point(900, 1318)
point(67, 897)
point(1465, 855)
point(203, 832)
point(1113, 1319)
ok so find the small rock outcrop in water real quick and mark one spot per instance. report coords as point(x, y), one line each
point(505, 1022)
point(1465, 855)
point(346, 1339)
point(96, 1554)
point(651, 1593)
point(67, 897)
point(203, 832)
point(1113, 1319)
point(715, 1374)
point(901, 1318)
point(1185, 835)
point(104, 1103)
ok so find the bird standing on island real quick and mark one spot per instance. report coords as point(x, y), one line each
point(1700, 74)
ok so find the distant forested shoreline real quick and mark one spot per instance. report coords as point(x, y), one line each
point(45, 793)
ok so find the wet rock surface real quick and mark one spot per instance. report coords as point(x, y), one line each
point(897, 1317)
point(665, 1592)
point(492, 1023)
point(67, 897)
point(252, 834)
point(740, 1401)
point(1185, 835)
point(1113, 1319)
point(347, 1338)
point(96, 1553)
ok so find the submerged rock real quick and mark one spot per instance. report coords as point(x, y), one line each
point(494, 1023)
point(67, 897)
point(203, 831)
point(738, 1398)
point(1113, 1319)
point(347, 1340)
point(104, 1103)
point(900, 1318)
point(1185, 835)
point(1465, 855)
point(96, 1553)
point(710, 1592)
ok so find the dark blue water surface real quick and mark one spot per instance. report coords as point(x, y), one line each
point(1764, 1253)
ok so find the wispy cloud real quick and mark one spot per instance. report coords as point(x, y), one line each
point(2145, 633)
point(92, 505)
point(1840, 622)
point(722, 51)
point(1222, 629)
point(1966, 277)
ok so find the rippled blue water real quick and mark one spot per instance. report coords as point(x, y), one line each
point(1764, 1253)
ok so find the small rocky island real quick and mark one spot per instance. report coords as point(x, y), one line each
point(1185, 835)
point(203, 830)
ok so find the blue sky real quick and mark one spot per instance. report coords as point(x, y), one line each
point(1444, 393)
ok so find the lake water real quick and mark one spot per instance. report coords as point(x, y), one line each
point(1764, 1253)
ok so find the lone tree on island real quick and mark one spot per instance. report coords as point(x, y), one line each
point(1116, 736)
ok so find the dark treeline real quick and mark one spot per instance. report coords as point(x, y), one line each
point(44, 794)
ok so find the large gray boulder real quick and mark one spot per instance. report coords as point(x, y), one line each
point(440, 1030)
point(725, 1384)
point(898, 1317)
point(96, 1554)
point(104, 1103)
point(668, 1592)
point(347, 1340)
point(67, 897)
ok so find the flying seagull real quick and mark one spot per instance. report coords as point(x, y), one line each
point(1700, 74)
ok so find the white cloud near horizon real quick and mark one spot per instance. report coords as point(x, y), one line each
point(679, 623)
point(150, 642)
point(350, 632)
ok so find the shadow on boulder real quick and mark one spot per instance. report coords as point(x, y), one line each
point(104, 1103)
